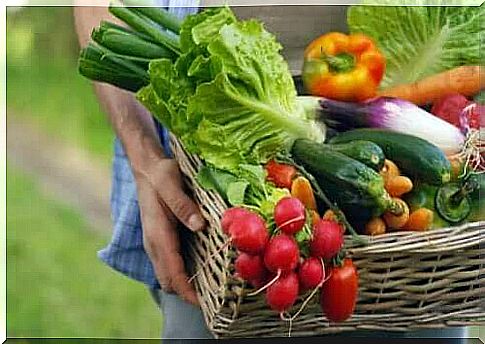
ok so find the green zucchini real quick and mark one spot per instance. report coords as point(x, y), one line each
point(366, 152)
point(417, 158)
point(357, 189)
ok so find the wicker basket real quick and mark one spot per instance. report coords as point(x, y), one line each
point(408, 280)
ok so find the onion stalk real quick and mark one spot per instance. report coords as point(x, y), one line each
point(121, 55)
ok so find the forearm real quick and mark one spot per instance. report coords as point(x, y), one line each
point(132, 123)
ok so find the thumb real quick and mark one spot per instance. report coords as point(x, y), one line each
point(182, 206)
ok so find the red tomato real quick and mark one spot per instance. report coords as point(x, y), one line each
point(339, 293)
point(280, 174)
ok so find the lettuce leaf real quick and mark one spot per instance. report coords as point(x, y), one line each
point(246, 186)
point(230, 96)
point(419, 41)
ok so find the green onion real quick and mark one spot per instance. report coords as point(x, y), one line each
point(146, 26)
point(110, 25)
point(127, 44)
point(161, 17)
point(99, 64)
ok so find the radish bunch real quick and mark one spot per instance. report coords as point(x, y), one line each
point(278, 264)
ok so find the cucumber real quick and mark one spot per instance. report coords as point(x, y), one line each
point(415, 157)
point(366, 152)
point(357, 189)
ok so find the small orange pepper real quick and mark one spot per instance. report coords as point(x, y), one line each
point(302, 189)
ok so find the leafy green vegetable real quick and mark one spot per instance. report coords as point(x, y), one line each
point(230, 96)
point(215, 180)
point(247, 185)
point(419, 41)
point(267, 205)
point(199, 29)
point(236, 192)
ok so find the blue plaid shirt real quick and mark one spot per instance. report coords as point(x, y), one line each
point(125, 252)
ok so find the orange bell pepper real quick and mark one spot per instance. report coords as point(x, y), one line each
point(343, 67)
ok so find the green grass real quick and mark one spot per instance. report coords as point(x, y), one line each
point(43, 85)
point(56, 285)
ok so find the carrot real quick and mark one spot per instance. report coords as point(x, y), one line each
point(302, 189)
point(419, 220)
point(375, 226)
point(329, 215)
point(315, 217)
point(397, 221)
point(389, 170)
point(465, 80)
point(398, 185)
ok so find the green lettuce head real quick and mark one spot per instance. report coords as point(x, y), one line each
point(230, 96)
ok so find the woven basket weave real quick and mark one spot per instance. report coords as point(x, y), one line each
point(408, 280)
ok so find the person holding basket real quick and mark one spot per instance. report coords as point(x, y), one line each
point(150, 207)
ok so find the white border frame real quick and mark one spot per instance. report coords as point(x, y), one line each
point(3, 88)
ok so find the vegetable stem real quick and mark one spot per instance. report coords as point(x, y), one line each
point(142, 24)
point(395, 208)
point(468, 187)
point(123, 29)
point(122, 61)
point(340, 63)
point(124, 43)
point(161, 17)
point(295, 127)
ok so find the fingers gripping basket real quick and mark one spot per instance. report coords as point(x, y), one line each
point(408, 281)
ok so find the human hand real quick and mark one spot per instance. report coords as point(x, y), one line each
point(163, 205)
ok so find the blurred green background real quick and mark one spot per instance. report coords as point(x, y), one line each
point(56, 286)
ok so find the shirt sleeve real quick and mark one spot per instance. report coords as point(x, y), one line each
point(181, 8)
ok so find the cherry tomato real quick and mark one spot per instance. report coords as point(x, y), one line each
point(280, 174)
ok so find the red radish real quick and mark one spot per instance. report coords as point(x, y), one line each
point(449, 107)
point(282, 294)
point(264, 279)
point(475, 115)
point(311, 273)
point(289, 215)
point(250, 267)
point(281, 254)
point(327, 239)
point(230, 215)
point(249, 233)
point(458, 110)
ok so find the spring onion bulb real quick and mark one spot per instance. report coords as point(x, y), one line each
point(393, 114)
